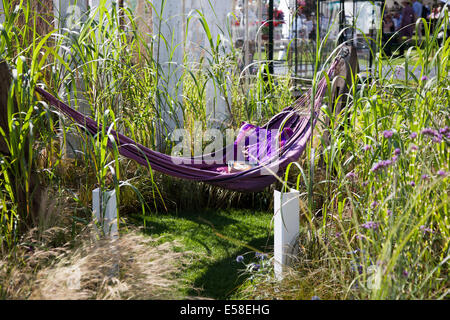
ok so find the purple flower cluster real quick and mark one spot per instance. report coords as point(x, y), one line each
point(255, 267)
point(397, 151)
point(367, 147)
point(429, 132)
point(445, 131)
point(370, 225)
point(388, 134)
point(260, 256)
point(424, 78)
point(437, 139)
point(381, 165)
point(435, 135)
point(374, 204)
point(442, 173)
point(425, 229)
point(351, 175)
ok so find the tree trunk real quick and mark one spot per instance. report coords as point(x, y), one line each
point(5, 83)
point(28, 201)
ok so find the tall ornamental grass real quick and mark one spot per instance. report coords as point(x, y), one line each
point(376, 210)
point(375, 198)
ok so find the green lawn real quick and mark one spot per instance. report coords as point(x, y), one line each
point(216, 238)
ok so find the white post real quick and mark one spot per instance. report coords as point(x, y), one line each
point(167, 23)
point(216, 13)
point(216, 102)
point(69, 15)
point(104, 207)
point(286, 229)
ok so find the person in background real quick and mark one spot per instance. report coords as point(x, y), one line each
point(426, 11)
point(408, 18)
point(388, 34)
point(397, 19)
point(388, 24)
point(418, 9)
point(425, 15)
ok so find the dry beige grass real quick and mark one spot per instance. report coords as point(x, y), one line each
point(131, 267)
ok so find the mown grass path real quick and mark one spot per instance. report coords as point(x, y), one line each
point(216, 238)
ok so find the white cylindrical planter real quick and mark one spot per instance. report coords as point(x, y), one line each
point(104, 207)
point(286, 228)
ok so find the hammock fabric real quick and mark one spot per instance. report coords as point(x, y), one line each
point(293, 132)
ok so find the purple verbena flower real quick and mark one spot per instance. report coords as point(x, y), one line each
point(388, 134)
point(442, 173)
point(429, 131)
point(367, 147)
point(255, 267)
point(374, 204)
point(351, 175)
point(413, 135)
point(360, 236)
point(397, 151)
point(381, 165)
point(239, 258)
point(414, 147)
point(424, 78)
point(357, 267)
point(405, 273)
point(394, 158)
point(370, 225)
point(437, 138)
point(360, 269)
point(425, 229)
point(260, 256)
point(425, 176)
point(389, 212)
point(444, 130)
point(412, 183)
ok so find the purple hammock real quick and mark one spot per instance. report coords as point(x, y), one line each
point(292, 129)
